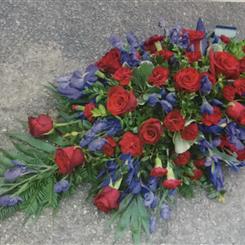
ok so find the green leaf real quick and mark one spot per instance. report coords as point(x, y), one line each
point(38, 144)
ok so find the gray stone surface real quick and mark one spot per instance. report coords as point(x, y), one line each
point(40, 40)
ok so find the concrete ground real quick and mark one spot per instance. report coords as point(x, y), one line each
point(40, 40)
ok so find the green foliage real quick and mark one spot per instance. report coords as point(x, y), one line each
point(140, 76)
point(236, 48)
point(131, 215)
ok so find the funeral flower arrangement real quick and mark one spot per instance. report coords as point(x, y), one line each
point(146, 121)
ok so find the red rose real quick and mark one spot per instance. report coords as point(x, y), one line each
point(211, 78)
point(229, 92)
point(149, 44)
point(150, 131)
point(242, 65)
point(212, 119)
point(159, 76)
point(171, 183)
point(166, 54)
point(107, 199)
point(235, 110)
point(240, 86)
point(193, 56)
point(182, 159)
point(68, 158)
point(158, 172)
point(39, 126)
point(174, 121)
point(110, 62)
point(188, 80)
point(131, 144)
point(225, 39)
point(190, 132)
point(198, 173)
point(199, 163)
point(226, 64)
point(123, 75)
point(109, 147)
point(88, 111)
point(120, 101)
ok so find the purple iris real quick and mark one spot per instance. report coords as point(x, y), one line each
point(148, 198)
point(132, 40)
point(153, 99)
point(215, 102)
point(206, 108)
point(165, 212)
point(152, 224)
point(71, 85)
point(235, 135)
point(87, 138)
point(206, 86)
point(130, 58)
point(216, 175)
point(111, 126)
point(204, 41)
point(214, 129)
point(18, 170)
point(204, 145)
point(152, 183)
point(9, 201)
point(116, 41)
point(166, 106)
point(61, 186)
point(215, 142)
point(96, 145)
point(171, 98)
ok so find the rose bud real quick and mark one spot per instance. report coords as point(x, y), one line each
point(199, 163)
point(235, 110)
point(225, 39)
point(68, 158)
point(171, 182)
point(158, 170)
point(107, 199)
point(190, 132)
point(182, 159)
point(150, 131)
point(109, 147)
point(149, 44)
point(88, 108)
point(41, 125)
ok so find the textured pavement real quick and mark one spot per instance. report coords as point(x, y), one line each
point(40, 40)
